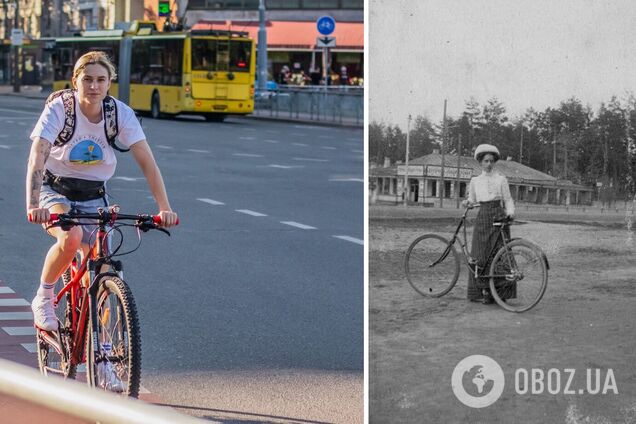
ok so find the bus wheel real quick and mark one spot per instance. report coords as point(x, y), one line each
point(155, 106)
point(215, 117)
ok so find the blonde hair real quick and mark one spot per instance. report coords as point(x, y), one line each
point(95, 58)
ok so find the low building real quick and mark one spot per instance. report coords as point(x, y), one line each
point(425, 182)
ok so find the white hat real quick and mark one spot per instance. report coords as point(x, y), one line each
point(487, 148)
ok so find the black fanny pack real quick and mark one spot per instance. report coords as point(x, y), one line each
point(75, 189)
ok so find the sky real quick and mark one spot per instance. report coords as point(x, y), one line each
point(530, 53)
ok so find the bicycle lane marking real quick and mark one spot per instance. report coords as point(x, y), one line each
point(17, 335)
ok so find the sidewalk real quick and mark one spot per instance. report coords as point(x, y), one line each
point(36, 92)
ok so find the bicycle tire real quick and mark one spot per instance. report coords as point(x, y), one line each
point(121, 344)
point(523, 265)
point(427, 279)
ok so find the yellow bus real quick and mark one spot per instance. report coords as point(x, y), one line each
point(204, 72)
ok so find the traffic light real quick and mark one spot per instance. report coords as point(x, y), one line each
point(164, 8)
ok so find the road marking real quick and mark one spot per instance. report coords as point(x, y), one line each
point(210, 201)
point(14, 302)
point(22, 123)
point(19, 331)
point(353, 139)
point(4, 290)
point(300, 144)
point(351, 239)
point(312, 160)
point(298, 225)
point(9, 122)
point(30, 347)
point(325, 136)
point(162, 146)
point(20, 111)
point(285, 166)
point(358, 180)
point(4, 146)
point(249, 212)
point(126, 178)
point(247, 138)
point(357, 151)
point(271, 141)
point(297, 134)
point(328, 148)
point(198, 151)
point(15, 316)
point(247, 155)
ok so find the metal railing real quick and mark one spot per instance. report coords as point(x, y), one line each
point(75, 399)
point(335, 104)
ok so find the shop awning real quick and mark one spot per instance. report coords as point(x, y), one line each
point(294, 35)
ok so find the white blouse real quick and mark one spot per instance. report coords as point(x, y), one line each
point(491, 186)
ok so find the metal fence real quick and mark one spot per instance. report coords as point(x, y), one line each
point(338, 104)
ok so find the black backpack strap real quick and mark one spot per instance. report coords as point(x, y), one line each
point(111, 127)
point(68, 100)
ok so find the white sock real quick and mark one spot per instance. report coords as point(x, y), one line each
point(46, 289)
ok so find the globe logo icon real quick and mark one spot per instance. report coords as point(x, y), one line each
point(477, 381)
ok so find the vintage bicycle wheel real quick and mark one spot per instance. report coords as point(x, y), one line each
point(113, 363)
point(54, 351)
point(518, 276)
point(431, 265)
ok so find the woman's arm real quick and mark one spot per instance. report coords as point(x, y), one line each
point(146, 161)
point(507, 198)
point(40, 150)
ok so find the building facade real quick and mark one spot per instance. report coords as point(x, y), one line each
point(425, 181)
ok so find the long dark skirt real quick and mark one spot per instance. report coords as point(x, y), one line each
point(486, 242)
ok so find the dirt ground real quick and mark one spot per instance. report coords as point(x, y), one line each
point(586, 320)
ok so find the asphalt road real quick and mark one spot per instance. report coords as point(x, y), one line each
point(253, 310)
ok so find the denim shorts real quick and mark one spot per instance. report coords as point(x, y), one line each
point(50, 197)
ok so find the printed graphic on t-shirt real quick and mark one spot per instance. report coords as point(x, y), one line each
point(86, 152)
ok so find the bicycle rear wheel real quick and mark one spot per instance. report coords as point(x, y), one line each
point(431, 265)
point(518, 276)
point(113, 363)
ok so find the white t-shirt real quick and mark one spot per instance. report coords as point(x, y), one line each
point(87, 155)
point(491, 186)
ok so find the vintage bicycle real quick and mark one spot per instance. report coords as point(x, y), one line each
point(518, 272)
point(97, 316)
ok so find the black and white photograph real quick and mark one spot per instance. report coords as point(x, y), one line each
point(501, 197)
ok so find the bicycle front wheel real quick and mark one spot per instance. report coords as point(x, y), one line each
point(518, 276)
point(431, 265)
point(113, 355)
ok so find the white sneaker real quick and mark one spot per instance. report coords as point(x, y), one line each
point(44, 313)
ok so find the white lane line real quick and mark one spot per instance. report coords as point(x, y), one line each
point(4, 290)
point(284, 166)
point(19, 111)
point(22, 123)
point(311, 159)
point(14, 302)
point(354, 139)
point(328, 148)
point(15, 316)
point(126, 178)
point(30, 347)
point(163, 146)
point(249, 212)
point(357, 180)
point(19, 331)
point(324, 136)
point(247, 138)
point(270, 141)
point(297, 134)
point(4, 135)
point(247, 155)
point(210, 201)
point(351, 239)
point(300, 144)
point(198, 151)
point(357, 151)
point(4, 146)
point(298, 225)
point(9, 122)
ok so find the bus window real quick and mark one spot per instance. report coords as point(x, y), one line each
point(154, 73)
point(203, 54)
point(172, 61)
point(240, 56)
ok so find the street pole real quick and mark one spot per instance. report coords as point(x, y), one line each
point(262, 47)
point(406, 173)
point(16, 52)
point(521, 146)
point(441, 185)
point(459, 154)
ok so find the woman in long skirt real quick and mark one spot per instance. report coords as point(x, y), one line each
point(491, 191)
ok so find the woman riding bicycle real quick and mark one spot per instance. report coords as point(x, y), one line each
point(71, 176)
point(490, 190)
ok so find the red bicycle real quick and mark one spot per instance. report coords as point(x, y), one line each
point(97, 315)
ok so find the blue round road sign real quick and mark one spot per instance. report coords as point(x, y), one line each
point(326, 25)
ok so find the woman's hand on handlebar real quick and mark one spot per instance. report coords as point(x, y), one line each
point(468, 204)
point(39, 215)
point(168, 219)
